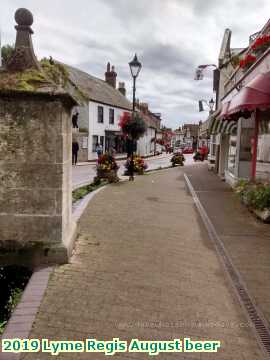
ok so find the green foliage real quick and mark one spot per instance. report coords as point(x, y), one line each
point(6, 51)
point(235, 60)
point(14, 299)
point(241, 186)
point(13, 280)
point(84, 190)
point(178, 159)
point(33, 79)
point(259, 197)
point(133, 125)
point(2, 326)
point(55, 72)
point(255, 195)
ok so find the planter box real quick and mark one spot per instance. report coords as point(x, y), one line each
point(264, 215)
point(181, 163)
point(110, 175)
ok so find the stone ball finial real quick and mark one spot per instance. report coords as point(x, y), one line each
point(24, 17)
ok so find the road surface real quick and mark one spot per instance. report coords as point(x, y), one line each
point(84, 174)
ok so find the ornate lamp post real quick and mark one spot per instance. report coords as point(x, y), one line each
point(209, 103)
point(135, 68)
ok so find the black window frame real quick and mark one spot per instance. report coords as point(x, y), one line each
point(111, 116)
point(100, 114)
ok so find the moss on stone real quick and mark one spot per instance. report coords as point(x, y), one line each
point(28, 80)
point(50, 75)
point(55, 72)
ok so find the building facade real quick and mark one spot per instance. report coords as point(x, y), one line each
point(101, 107)
point(243, 107)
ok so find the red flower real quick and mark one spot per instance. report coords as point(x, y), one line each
point(263, 40)
point(124, 119)
point(248, 60)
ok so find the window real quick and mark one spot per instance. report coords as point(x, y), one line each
point(95, 142)
point(100, 114)
point(111, 116)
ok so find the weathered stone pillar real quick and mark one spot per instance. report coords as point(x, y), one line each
point(35, 169)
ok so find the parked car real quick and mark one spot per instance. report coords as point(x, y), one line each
point(188, 150)
point(177, 149)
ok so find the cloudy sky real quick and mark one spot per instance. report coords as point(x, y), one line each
point(171, 37)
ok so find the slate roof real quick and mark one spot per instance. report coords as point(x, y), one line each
point(150, 120)
point(97, 90)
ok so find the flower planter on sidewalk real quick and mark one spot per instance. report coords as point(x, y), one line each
point(110, 175)
point(256, 197)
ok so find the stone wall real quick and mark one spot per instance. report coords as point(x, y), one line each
point(35, 178)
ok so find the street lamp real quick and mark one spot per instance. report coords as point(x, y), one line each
point(209, 103)
point(135, 68)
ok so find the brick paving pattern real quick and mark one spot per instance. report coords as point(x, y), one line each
point(144, 268)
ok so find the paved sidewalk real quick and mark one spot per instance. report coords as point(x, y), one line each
point(246, 239)
point(144, 268)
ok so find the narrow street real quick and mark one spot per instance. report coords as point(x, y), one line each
point(144, 267)
point(83, 174)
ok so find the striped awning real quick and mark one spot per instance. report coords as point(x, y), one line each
point(219, 126)
point(223, 127)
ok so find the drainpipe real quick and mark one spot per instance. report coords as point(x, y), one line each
point(254, 146)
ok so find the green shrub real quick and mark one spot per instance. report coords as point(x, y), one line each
point(84, 190)
point(255, 195)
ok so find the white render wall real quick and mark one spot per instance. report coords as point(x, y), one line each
point(145, 146)
point(98, 129)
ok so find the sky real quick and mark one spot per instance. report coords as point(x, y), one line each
point(170, 37)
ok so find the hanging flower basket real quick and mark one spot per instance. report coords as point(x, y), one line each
point(247, 61)
point(132, 125)
point(261, 44)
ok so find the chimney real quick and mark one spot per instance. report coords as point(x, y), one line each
point(110, 76)
point(121, 88)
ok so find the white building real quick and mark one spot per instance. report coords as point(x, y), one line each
point(101, 108)
point(147, 144)
point(99, 114)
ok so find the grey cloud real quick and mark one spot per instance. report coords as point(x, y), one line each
point(171, 38)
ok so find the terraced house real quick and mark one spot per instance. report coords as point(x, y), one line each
point(99, 112)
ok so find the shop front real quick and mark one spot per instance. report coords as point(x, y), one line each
point(115, 141)
point(249, 150)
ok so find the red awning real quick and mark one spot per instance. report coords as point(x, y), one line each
point(254, 95)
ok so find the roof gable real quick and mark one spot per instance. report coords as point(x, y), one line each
point(97, 90)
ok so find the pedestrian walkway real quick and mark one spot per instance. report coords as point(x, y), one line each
point(246, 239)
point(144, 268)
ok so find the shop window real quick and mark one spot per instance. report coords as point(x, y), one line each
point(232, 154)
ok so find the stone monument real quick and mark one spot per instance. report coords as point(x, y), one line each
point(36, 224)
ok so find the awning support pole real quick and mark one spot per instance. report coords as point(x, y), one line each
point(255, 143)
